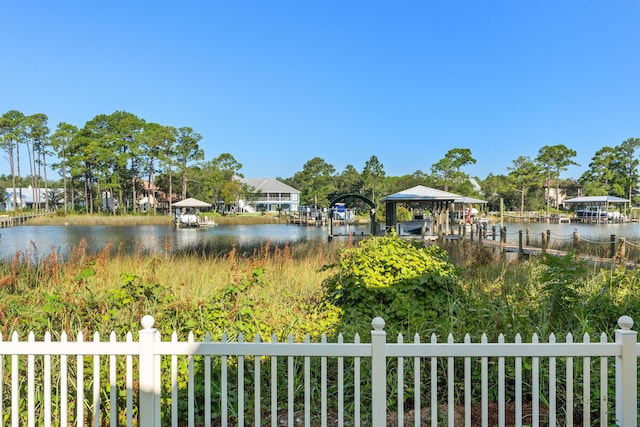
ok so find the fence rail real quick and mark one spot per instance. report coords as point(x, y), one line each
point(152, 382)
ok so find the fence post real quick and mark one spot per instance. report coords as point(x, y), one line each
point(544, 243)
point(576, 242)
point(147, 371)
point(626, 374)
point(378, 373)
point(612, 251)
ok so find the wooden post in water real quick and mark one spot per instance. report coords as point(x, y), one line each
point(613, 246)
point(520, 250)
point(503, 239)
point(544, 242)
point(528, 240)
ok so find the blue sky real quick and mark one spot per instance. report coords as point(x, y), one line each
point(277, 83)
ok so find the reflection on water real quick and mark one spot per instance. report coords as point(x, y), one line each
point(39, 241)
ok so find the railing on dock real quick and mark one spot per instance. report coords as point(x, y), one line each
point(614, 249)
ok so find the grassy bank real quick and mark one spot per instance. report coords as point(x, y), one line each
point(148, 219)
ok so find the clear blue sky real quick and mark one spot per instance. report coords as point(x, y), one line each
point(277, 82)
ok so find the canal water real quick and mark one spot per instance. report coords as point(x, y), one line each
point(39, 241)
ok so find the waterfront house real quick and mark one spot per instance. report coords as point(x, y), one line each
point(271, 196)
point(26, 198)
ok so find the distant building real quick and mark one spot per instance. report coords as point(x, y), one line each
point(272, 196)
point(27, 198)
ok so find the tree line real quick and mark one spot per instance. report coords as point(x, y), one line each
point(116, 158)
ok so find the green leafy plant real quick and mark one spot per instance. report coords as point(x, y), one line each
point(406, 284)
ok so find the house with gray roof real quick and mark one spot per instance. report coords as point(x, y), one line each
point(271, 196)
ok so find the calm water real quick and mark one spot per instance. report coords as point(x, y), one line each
point(39, 241)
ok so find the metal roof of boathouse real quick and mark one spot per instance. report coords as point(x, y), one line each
point(420, 193)
point(597, 200)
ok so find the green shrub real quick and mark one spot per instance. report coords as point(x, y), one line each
point(408, 285)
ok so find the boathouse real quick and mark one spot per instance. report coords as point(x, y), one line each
point(430, 207)
point(598, 208)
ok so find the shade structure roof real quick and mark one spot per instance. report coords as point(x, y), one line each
point(597, 200)
point(191, 203)
point(420, 193)
point(470, 200)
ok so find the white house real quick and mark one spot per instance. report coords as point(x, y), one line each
point(25, 198)
point(272, 196)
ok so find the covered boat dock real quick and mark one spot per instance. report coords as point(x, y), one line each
point(598, 209)
point(430, 207)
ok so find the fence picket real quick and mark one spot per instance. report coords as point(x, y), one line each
point(64, 384)
point(484, 380)
point(586, 385)
point(80, 385)
point(96, 384)
point(501, 386)
point(518, 384)
point(467, 385)
point(274, 385)
point(191, 385)
point(290, 386)
point(241, 385)
point(604, 386)
point(31, 382)
point(207, 385)
point(569, 381)
point(340, 385)
point(535, 386)
point(400, 386)
point(47, 383)
point(552, 385)
point(15, 383)
point(224, 385)
point(113, 386)
point(434, 386)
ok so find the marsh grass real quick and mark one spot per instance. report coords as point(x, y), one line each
point(88, 220)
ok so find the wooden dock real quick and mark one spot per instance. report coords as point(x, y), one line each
point(13, 220)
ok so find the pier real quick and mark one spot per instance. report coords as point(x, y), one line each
point(612, 250)
point(12, 220)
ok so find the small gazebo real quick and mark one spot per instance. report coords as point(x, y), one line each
point(439, 203)
point(189, 216)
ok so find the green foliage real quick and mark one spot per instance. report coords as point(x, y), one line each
point(561, 283)
point(406, 284)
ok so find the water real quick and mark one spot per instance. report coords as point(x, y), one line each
point(594, 232)
point(39, 241)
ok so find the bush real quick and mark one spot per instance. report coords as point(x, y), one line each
point(406, 284)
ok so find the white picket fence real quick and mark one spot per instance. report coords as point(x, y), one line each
point(316, 383)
